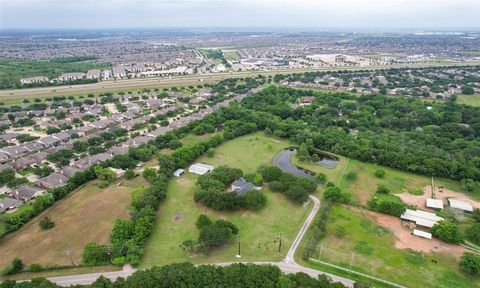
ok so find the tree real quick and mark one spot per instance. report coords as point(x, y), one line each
point(334, 194)
point(447, 231)
point(17, 266)
point(473, 233)
point(150, 174)
point(321, 177)
point(46, 223)
point(210, 152)
point(270, 173)
point(302, 153)
point(476, 214)
point(130, 174)
point(254, 177)
point(382, 189)
point(380, 173)
point(95, 254)
point(203, 221)
point(468, 90)
point(470, 263)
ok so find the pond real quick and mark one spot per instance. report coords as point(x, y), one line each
point(326, 161)
point(282, 161)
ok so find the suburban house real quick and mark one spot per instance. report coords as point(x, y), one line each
point(26, 192)
point(200, 168)
point(9, 204)
point(53, 180)
point(241, 186)
point(14, 151)
point(69, 171)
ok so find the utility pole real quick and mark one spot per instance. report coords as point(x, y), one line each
point(351, 261)
point(279, 242)
point(70, 255)
point(239, 255)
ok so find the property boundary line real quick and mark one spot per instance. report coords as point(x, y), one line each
point(357, 273)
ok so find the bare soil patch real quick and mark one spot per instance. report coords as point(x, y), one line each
point(443, 193)
point(405, 240)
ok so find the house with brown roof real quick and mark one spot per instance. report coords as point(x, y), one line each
point(26, 192)
point(53, 180)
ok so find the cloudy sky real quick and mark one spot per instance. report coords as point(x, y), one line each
point(321, 14)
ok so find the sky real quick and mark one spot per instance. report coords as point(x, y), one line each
point(317, 14)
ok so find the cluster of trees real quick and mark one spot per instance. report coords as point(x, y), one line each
point(470, 263)
point(447, 231)
point(297, 189)
point(386, 206)
point(14, 221)
point(402, 133)
point(335, 194)
point(211, 191)
point(211, 234)
point(7, 176)
point(189, 275)
point(318, 230)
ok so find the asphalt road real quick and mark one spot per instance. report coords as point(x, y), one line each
point(125, 84)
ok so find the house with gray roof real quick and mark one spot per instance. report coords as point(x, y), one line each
point(33, 146)
point(241, 186)
point(14, 151)
point(69, 171)
point(53, 180)
point(48, 141)
point(26, 192)
point(9, 204)
point(21, 163)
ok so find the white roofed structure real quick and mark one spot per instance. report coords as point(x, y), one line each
point(422, 234)
point(421, 218)
point(435, 203)
point(460, 205)
point(200, 168)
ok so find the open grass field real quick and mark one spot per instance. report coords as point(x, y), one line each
point(87, 215)
point(13, 70)
point(364, 186)
point(259, 231)
point(472, 100)
point(231, 55)
point(372, 248)
point(192, 139)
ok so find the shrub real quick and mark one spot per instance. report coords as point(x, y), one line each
point(210, 152)
point(130, 174)
point(270, 173)
point(447, 231)
point(46, 223)
point(351, 175)
point(470, 263)
point(322, 178)
point(382, 189)
point(386, 207)
point(35, 267)
point(203, 221)
point(380, 173)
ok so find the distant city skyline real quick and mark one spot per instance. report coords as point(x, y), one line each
point(339, 14)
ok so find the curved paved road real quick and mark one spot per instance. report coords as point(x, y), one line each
point(288, 265)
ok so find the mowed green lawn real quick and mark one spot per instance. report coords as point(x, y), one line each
point(259, 231)
point(472, 100)
point(375, 254)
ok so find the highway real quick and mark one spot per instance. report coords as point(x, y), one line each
point(181, 80)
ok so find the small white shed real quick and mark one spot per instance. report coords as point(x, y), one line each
point(178, 172)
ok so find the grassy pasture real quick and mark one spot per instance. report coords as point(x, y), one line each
point(374, 253)
point(259, 231)
point(87, 215)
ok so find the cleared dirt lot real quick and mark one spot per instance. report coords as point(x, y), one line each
point(405, 240)
point(87, 215)
point(442, 193)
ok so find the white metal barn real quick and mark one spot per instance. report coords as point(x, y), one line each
point(460, 205)
point(200, 168)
